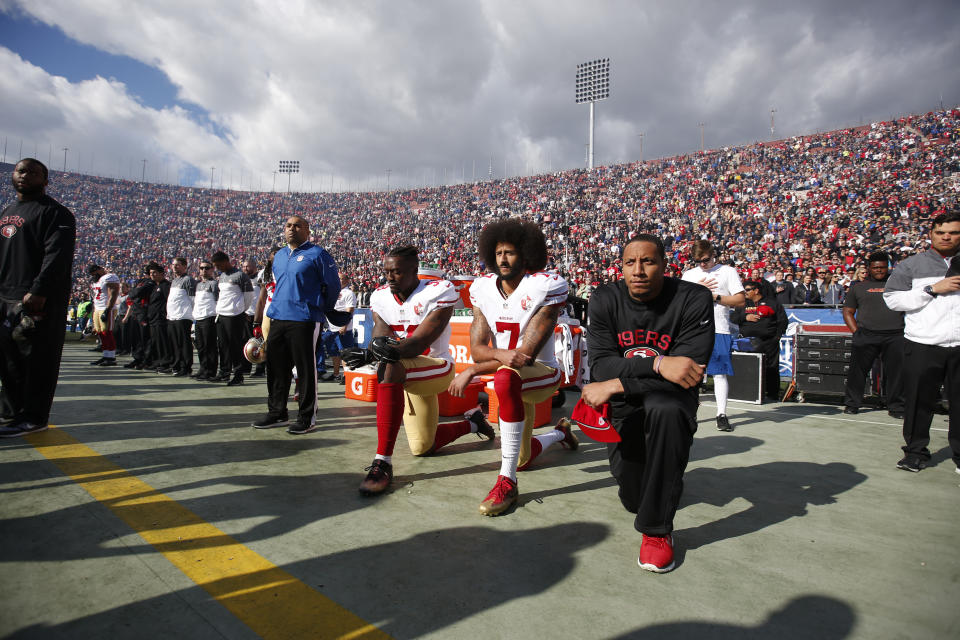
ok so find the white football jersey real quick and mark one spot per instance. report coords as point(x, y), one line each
point(404, 317)
point(100, 293)
point(508, 316)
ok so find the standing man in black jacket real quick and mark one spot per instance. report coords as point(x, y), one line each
point(161, 349)
point(37, 237)
point(763, 320)
point(139, 298)
point(650, 339)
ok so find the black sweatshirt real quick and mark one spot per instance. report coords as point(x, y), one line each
point(624, 336)
point(772, 322)
point(36, 249)
point(157, 307)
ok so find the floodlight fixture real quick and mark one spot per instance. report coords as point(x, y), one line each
point(592, 84)
point(289, 167)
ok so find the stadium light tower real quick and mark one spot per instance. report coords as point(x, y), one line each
point(289, 167)
point(592, 84)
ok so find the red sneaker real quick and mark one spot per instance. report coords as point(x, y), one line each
point(501, 497)
point(656, 553)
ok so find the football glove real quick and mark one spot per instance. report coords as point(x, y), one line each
point(355, 357)
point(384, 349)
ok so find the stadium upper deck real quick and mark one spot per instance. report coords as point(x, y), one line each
point(823, 199)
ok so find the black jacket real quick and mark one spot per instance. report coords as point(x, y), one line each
point(625, 336)
point(157, 306)
point(772, 322)
point(36, 249)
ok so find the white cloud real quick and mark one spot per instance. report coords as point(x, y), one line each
point(353, 89)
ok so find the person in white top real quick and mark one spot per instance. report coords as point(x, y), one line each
point(106, 290)
point(183, 289)
point(515, 311)
point(411, 346)
point(335, 339)
point(724, 284)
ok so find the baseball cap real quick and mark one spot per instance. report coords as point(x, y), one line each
point(595, 424)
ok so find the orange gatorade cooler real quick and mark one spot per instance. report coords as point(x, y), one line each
point(462, 285)
point(361, 384)
point(425, 273)
point(451, 406)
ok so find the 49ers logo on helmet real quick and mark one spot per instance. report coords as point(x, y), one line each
point(8, 231)
point(641, 352)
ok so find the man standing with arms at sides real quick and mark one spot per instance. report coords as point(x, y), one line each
point(37, 236)
point(411, 343)
point(180, 318)
point(515, 311)
point(727, 293)
point(650, 338)
point(106, 290)
point(161, 351)
point(927, 288)
point(236, 295)
point(138, 301)
point(250, 268)
point(205, 315)
point(877, 331)
point(336, 339)
point(307, 283)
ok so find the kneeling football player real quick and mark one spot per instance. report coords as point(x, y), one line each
point(411, 344)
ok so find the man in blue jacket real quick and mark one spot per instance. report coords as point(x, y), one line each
point(307, 285)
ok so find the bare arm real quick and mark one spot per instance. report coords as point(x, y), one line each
point(261, 304)
point(113, 292)
point(481, 339)
point(424, 335)
point(539, 330)
point(849, 319)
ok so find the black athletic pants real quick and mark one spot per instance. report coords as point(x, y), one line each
point(141, 340)
point(207, 345)
point(650, 460)
point(29, 380)
point(867, 345)
point(231, 335)
point(925, 368)
point(161, 349)
point(292, 344)
point(179, 331)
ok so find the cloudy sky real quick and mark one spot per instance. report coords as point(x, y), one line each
point(434, 92)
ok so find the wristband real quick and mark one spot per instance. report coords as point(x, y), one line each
point(656, 365)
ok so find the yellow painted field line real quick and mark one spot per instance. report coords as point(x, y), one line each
point(266, 598)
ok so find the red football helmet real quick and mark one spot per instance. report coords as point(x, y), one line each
point(255, 351)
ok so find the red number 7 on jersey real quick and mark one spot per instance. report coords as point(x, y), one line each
point(511, 328)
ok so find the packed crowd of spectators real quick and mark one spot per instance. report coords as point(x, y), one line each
point(822, 201)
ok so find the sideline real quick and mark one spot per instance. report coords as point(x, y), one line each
point(272, 602)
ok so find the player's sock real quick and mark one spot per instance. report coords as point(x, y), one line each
point(507, 384)
point(447, 432)
point(721, 389)
point(387, 459)
point(109, 344)
point(389, 416)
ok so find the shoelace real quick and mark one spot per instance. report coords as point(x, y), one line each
point(500, 490)
point(376, 469)
point(657, 541)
